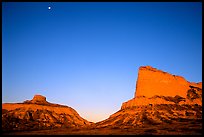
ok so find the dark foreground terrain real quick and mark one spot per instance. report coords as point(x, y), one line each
point(185, 127)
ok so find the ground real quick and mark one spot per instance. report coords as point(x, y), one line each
point(176, 128)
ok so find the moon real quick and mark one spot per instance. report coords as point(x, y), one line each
point(49, 7)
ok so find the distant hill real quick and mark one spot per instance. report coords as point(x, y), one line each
point(37, 114)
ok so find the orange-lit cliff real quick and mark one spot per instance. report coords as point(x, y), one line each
point(160, 99)
point(154, 86)
point(152, 81)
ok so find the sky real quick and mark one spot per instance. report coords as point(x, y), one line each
point(87, 55)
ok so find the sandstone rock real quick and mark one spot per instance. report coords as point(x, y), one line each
point(143, 101)
point(152, 81)
point(159, 98)
point(152, 115)
point(39, 98)
point(37, 114)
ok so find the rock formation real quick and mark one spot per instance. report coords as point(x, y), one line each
point(152, 81)
point(160, 98)
point(37, 114)
point(39, 98)
point(163, 104)
point(154, 86)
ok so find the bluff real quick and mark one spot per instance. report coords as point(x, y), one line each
point(37, 114)
point(161, 100)
point(155, 86)
point(152, 81)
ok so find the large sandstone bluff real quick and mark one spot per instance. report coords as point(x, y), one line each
point(155, 86)
point(37, 114)
point(152, 81)
point(161, 99)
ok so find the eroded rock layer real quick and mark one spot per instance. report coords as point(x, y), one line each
point(37, 114)
point(160, 98)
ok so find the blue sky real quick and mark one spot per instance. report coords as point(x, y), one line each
point(87, 55)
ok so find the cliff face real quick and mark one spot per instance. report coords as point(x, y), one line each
point(152, 81)
point(154, 86)
point(37, 114)
point(160, 98)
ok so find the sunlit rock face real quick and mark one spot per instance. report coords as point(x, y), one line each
point(160, 98)
point(157, 114)
point(152, 81)
point(154, 86)
point(37, 114)
point(38, 98)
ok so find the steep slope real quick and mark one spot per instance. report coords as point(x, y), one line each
point(159, 107)
point(152, 81)
point(39, 114)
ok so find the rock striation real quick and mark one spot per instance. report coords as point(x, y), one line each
point(37, 114)
point(160, 98)
point(154, 86)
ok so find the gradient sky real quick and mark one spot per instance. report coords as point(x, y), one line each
point(87, 55)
